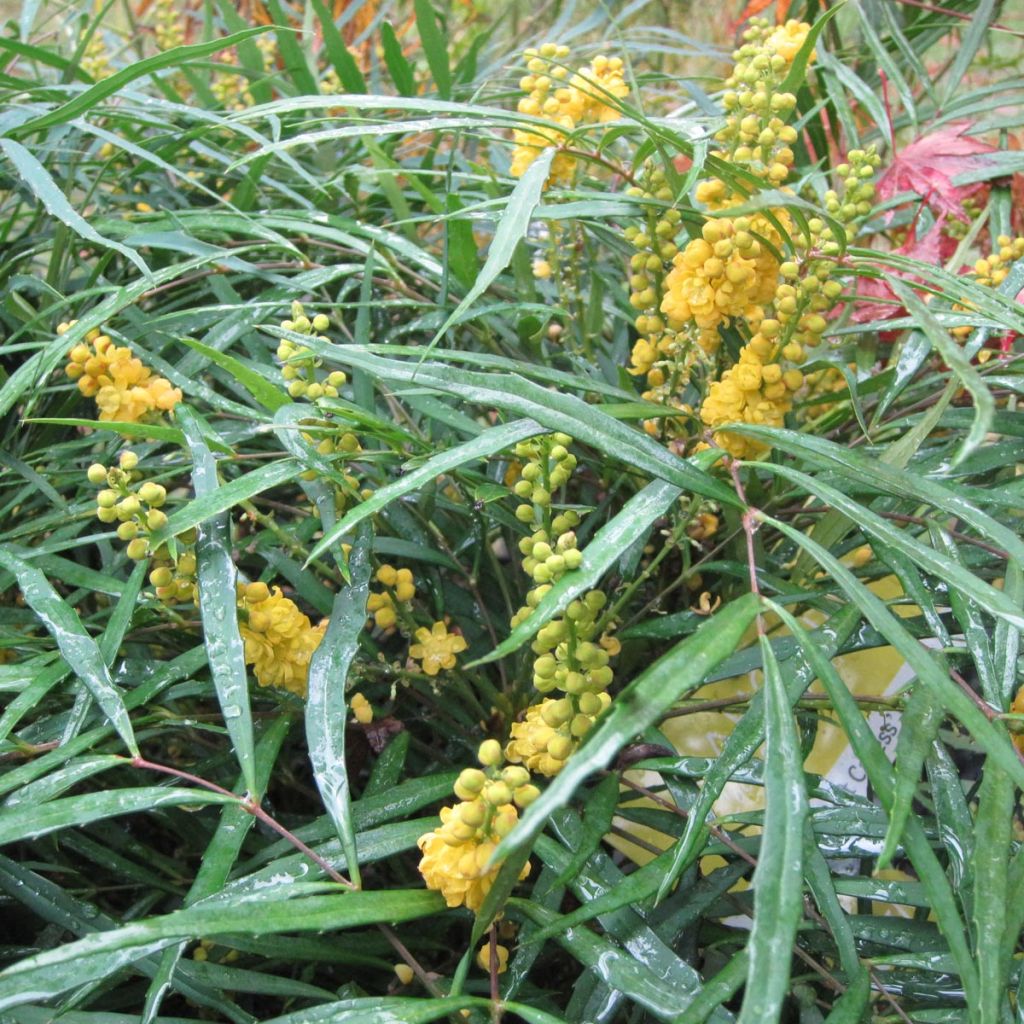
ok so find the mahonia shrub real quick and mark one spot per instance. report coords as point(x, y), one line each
point(511, 514)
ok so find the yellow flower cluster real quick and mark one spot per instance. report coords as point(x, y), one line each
point(279, 639)
point(759, 388)
point(728, 273)
point(655, 351)
point(125, 390)
point(991, 271)
point(587, 98)
point(300, 362)
point(456, 856)
point(168, 24)
point(398, 587)
point(96, 60)
point(137, 508)
point(567, 656)
point(435, 648)
point(232, 90)
point(755, 390)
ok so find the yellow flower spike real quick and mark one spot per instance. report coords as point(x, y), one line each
point(278, 638)
point(436, 648)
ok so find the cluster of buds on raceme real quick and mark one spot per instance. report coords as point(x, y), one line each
point(136, 509)
point(397, 589)
point(457, 856)
point(756, 133)
point(858, 188)
point(549, 465)
point(301, 363)
point(136, 505)
point(655, 249)
point(569, 655)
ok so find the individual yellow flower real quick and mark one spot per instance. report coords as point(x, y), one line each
point(436, 648)
point(361, 709)
point(279, 639)
point(484, 958)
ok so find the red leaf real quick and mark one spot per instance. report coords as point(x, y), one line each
point(928, 165)
point(875, 298)
point(755, 7)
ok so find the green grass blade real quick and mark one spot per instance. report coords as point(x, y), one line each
point(778, 878)
point(602, 551)
point(434, 47)
point(218, 605)
point(47, 191)
point(326, 706)
point(77, 648)
point(29, 822)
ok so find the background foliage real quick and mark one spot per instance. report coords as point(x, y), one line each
point(167, 850)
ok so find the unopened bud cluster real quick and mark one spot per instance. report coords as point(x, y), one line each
point(586, 97)
point(569, 655)
point(136, 505)
point(301, 363)
point(397, 588)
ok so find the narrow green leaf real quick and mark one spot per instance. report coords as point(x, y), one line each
point(598, 813)
point(397, 65)
point(338, 54)
point(31, 821)
point(488, 443)
point(292, 54)
point(77, 648)
point(512, 227)
point(269, 396)
point(47, 974)
point(326, 706)
point(92, 97)
point(600, 554)
point(778, 879)
point(992, 849)
point(47, 191)
point(919, 725)
point(218, 605)
point(434, 46)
